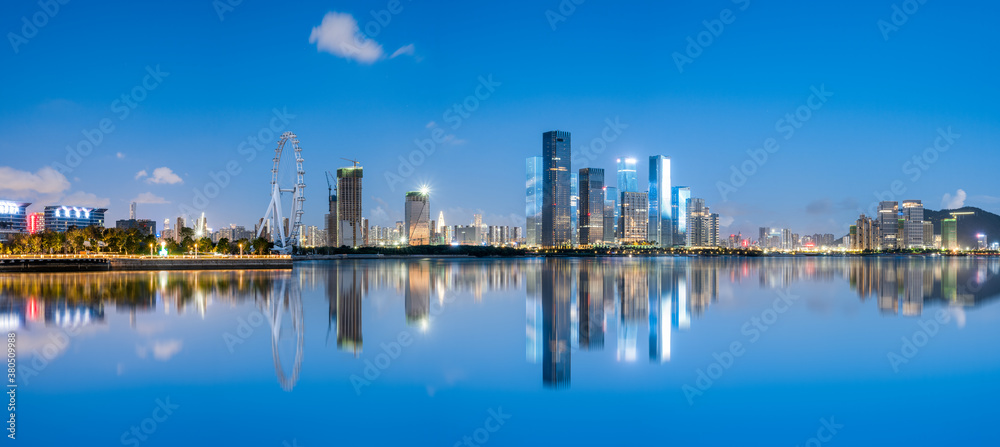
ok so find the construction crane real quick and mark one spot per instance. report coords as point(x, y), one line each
point(329, 185)
point(352, 161)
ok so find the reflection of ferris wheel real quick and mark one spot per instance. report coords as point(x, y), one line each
point(286, 299)
point(285, 236)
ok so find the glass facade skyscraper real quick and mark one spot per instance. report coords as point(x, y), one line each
point(574, 207)
point(591, 206)
point(678, 202)
point(533, 201)
point(661, 230)
point(611, 214)
point(628, 180)
point(556, 226)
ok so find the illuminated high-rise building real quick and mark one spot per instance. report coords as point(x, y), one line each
point(634, 224)
point(350, 227)
point(679, 197)
point(14, 219)
point(628, 179)
point(557, 230)
point(591, 206)
point(574, 207)
point(62, 218)
point(611, 213)
point(661, 228)
point(888, 223)
point(533, 200)
point(949, 234)
point(418, 215)
point(913, 218)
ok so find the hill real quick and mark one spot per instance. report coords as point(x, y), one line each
point(969, 225)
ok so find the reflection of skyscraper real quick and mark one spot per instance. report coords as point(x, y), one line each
point(533, 201)
point(888, 298)
point(556, 323)
point(556, 153)
point(633, 291)
point(661, 287)
point(418, 294)
point(533, 314)
point(349, 309)
point(590, 307)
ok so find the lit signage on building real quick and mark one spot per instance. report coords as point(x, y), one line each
point(73, 212)
point(9, 208)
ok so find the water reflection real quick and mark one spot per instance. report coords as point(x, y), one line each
point(572, 306)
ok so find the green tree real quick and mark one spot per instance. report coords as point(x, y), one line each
point(261, 246)
point(187, 244)
point(205, 245)
point(223, 246)
point(242, 244)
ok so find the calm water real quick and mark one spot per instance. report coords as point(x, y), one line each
point(626, 351)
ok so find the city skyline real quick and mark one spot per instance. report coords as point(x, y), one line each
point(187, 123)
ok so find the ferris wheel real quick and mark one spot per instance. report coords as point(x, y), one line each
point(286, 300)
point(283, 182)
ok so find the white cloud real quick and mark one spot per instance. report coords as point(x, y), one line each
point(339, 35)
point(148, 197)
point(163, 175)
point(406, 49)
point(162, 350)
point(21, 183)
point(950, 202)
point(120, 155)
point(81, 198)
point(141, 174)
point(726, 221)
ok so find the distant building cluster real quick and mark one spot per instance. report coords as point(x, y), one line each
point(567, 208)
point(901, 226)
point(15, 219)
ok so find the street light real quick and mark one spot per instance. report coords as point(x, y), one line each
point(151, 249)
point(241, 250)
point(196, 250)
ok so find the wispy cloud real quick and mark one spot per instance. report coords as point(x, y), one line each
point(951, 202)
point(148, 197)
point(80, 198)
point(406, 49)
point(340, 36)
point(162, 175)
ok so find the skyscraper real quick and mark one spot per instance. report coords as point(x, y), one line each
point(949, 234)
point(439, 231)
point(350, 228)
point(591, 206)
point(913, 215)
point(417, 217)
point(533, 201)
point(331, 221)
point(678, 203)
point(556, 153)
point(610, 214)
point(661, 229)
point(634, 217)
point(628, 180)
point(888, 223)
point(574, 207)
point(703, 226)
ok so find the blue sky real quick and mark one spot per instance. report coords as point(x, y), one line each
point(224, 71)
